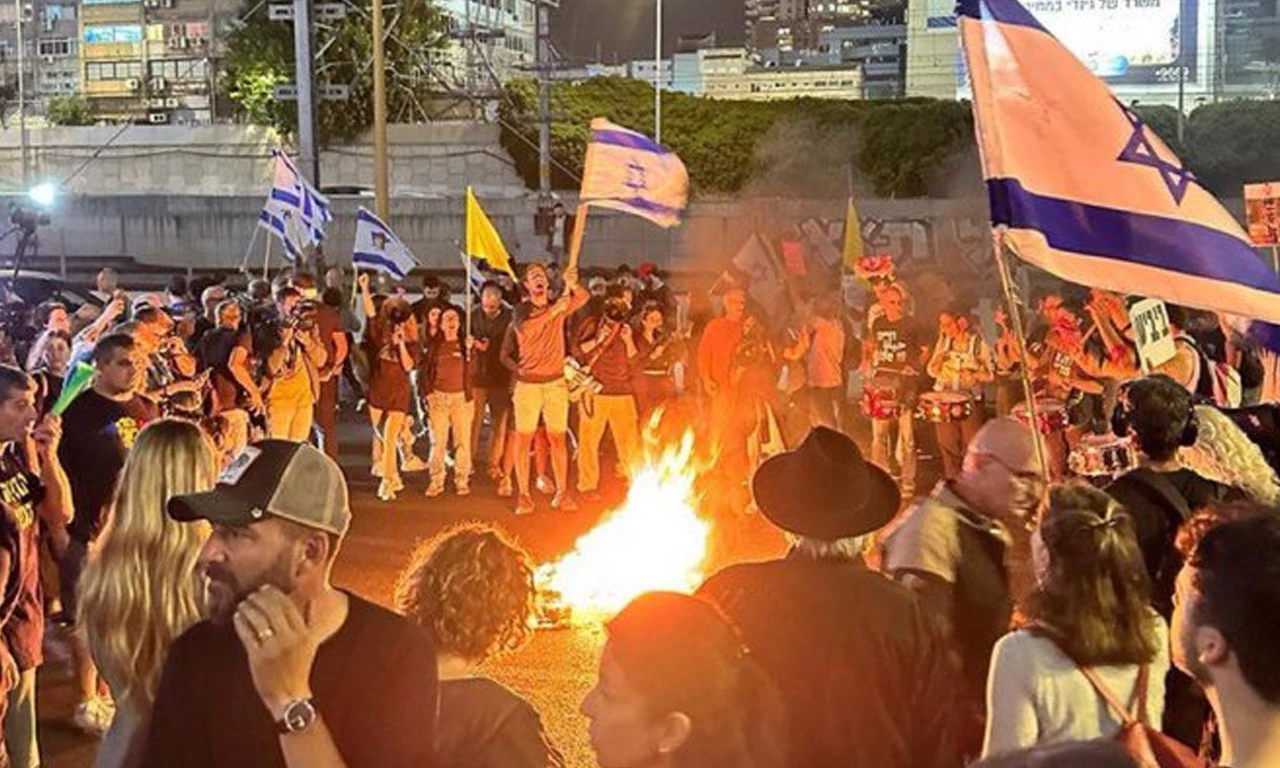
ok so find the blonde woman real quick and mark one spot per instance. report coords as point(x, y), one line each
point(471, 589)
point(140, 591)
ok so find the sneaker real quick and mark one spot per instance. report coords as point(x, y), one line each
point(545, 486)
point(397, 484)
point(525, 506)
point(93, 716)
point(414, 464)
point(463, 489)
point(504, 488)
point(435, 489)
point(564, 502)
point(495, 472)
point(386, 492)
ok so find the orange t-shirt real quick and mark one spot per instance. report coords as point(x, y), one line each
point(715, 350)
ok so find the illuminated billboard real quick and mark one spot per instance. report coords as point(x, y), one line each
point(1125, 41)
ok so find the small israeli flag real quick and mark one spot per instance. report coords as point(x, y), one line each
point(378, 248)
point(295, 211)
point(629, 172)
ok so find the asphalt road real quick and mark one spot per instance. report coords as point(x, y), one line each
point(555, 670)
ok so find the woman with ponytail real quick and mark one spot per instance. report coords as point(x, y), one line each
point(677, 689)
point(1087, 628)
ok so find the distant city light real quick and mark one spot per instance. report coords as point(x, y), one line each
point(44, 194)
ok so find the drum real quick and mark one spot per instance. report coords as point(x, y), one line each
point(880, 403)
point(1102, 456)
point(944, 407)
point(1052, 415)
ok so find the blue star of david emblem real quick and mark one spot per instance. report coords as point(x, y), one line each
point(1141, 151)
point(636, 180)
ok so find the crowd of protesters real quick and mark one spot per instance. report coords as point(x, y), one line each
point(183, 511)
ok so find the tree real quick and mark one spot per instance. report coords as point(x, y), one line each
point(70, 110)
point(260, 57)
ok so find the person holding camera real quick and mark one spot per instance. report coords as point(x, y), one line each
point(393, 343)
point(606, 347)
point(291, 367)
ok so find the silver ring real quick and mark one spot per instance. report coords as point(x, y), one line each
point(266, 635)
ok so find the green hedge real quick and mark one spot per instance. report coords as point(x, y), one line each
point(898, 148)
point(895, 145)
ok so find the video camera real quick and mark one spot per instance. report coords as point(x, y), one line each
point(304, 316)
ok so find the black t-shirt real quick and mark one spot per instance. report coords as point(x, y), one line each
point(896, 345)
point(488, 372)
point(22, 610)
point(1156, 523)
point(485, 725)
point(214, 353)
point(374, 683)
point(97, 434)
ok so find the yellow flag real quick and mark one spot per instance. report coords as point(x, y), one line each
point(483, 241)
point(852, 237)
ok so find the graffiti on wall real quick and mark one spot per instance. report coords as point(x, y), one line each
point(946, 245)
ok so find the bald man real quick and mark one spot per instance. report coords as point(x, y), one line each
point(950, 549)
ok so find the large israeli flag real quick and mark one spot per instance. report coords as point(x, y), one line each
point(629, 172)
point(1090, 193)
point(295, 211)
point(378, 248)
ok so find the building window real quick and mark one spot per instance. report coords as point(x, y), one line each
point(120, 33)
point(113, 70)
point(57, 48)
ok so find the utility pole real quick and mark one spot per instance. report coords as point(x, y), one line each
point(657, 75)
point(542, 9)
point(380, 182)
point(20, 20)
point(304, 70)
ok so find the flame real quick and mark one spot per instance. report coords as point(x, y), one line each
point(654, 541)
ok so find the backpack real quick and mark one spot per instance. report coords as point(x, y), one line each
point(1147, 746)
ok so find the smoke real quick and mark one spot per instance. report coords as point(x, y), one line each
point(798, 158)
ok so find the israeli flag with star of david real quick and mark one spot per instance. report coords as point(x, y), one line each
point(1090, 193)
point(294, 211)
point(629, 172)
point(378, 248)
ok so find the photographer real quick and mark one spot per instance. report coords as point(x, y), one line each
point(292, 358)
point(605, 346)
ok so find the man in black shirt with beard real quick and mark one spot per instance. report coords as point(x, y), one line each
point(288, 671)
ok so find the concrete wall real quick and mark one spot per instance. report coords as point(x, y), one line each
point(432, 160)
point(216, 232)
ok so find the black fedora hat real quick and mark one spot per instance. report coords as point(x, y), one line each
point(825, 490)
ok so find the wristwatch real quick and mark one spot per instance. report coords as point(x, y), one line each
point(297, 717)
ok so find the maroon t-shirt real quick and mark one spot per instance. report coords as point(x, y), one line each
point(609, 364)
point(21, 606)
point(450, 368)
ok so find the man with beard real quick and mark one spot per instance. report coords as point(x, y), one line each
point(951, 550)
point(534, 349)
point(1225, 622)
point(288, 671)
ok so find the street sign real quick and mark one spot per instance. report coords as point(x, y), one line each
point(333, 92)
point(324, 92)
point(331, 11)
point(323, 11)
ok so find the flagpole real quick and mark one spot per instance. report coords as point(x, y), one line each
point(1015, 317)
point(244, 263)
point(266, 260)
point(579, 229)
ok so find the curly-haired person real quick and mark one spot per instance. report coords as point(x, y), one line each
point(471, 588)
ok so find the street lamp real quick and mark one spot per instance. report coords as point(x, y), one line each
point(44, 194)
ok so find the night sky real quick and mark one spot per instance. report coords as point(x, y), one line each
point(624, 28)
